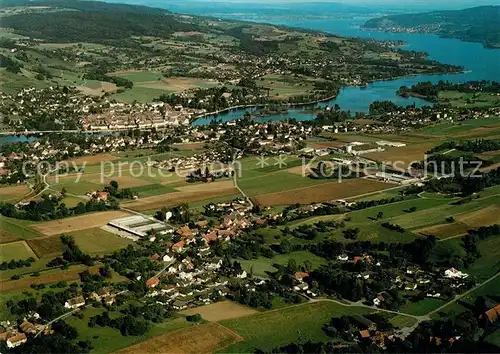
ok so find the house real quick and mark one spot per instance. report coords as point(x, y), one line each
point(301, 287)
point(300, 276)
point(151, 283)
point(109, 300)
point(179, 305)
point(154, 257)
point(343, 257)
point(378, 300)
point(179, 246)
point(99, 195)
point(216, 263)
point(493, 314)
point(201, 224)
point(169, 289)
point(75, 302)
point(185, 231)
point(210, 237)
point(168, 258)
point(28, 327)
point(16, 340)
point(363, 322)
point(242, 275)
point(364, 334)
point(453, 273)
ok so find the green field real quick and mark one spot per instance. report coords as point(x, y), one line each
point(15, 250)
point(461, 127)
point(97, 241)
point(469, 100)
point(108, 340)
point(489, 262)
point(421, 307)
point(152, 189)
point(262, 265)
point(291, 324)
point(17, 228)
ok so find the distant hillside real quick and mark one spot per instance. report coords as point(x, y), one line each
point(478, 24)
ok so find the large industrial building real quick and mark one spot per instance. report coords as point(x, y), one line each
point(137, 226)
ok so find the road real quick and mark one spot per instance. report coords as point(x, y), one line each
point(461, 296)
point(66, 314)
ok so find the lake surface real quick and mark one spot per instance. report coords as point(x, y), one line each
point(480, 63)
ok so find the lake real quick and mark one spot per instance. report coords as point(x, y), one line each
point(480, 63)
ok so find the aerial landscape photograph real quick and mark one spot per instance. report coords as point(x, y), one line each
point(249, 176)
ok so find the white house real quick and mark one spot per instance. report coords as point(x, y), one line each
point(455, 274)
point(75, 302)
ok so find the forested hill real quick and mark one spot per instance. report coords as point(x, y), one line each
point(89, 21)
point(478, 24)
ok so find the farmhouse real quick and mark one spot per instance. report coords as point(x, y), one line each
point(75, 302)
point(16, 340)
point(493, 314)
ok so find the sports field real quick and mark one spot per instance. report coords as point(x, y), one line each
point(220, 311)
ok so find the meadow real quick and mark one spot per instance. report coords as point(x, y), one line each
point(298, 323)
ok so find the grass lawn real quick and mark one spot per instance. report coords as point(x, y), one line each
point(97, 241)
point(15, 250)
point(107, 339)
point(262, 265)
point(422, 307)
point(489, 263)
point(400, 321)
point(494, 338)
point(275, 328)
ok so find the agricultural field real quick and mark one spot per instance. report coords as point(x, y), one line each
point(96, 241)
point(185, 194)
point(469, 100)
point(46, 277)
point(323, 192)
point(77, 223)
point(109, 340)
point(14, 193)
point(274, 328)
point(204, 338)
point(483, 127)
point(261, 266)
point(220, 311)
point(16, 229)
point(15, 250)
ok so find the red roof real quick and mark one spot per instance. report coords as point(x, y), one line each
point(212, 236)
point(179, 244)
point(301, 275)
point(152, 282)
point(364, 334)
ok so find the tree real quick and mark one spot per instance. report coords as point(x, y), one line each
point(380, 215)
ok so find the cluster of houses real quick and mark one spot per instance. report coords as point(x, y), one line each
point(123, 116)
point(15, 335)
